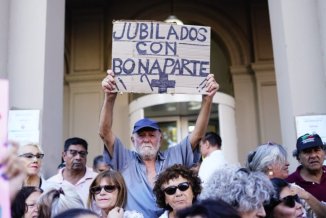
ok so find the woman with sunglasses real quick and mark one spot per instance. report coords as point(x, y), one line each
point(271, 159)
point(109, 193)
point(242, 189)
point(284, 203)
point(176, 188)
point(31, 155)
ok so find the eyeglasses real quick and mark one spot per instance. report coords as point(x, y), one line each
point(30, 206)
point(31, 156)
point(171, 190)
point(290, 200)
point(75, 152)
point(108, 188)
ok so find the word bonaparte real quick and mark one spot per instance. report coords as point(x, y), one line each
point(170, 66)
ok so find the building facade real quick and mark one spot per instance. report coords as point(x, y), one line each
point(268, 57)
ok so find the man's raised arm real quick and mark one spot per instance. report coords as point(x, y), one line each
point(205, 110)
point(106, 116)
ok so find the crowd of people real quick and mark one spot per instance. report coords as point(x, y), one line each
point(146, 182)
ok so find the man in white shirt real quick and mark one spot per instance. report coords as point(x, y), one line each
point(213, 157)
point(75, 172)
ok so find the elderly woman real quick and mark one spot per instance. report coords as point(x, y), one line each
point(284, 203)
point(59, 199)
point(176, 188)
point(271, 159)
point(31, 155)
point(244, 190)
point(25, 202)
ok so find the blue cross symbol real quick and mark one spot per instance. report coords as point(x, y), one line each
point(163, 83)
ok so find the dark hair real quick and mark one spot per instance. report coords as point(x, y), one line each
point(209, 209)
point(278, 184)
point(213, 139)
point(18, 206)
point(75, 141)
point(98, 159)
point(174, 172)
point(75, 213)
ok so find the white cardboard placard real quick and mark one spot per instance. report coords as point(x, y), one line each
point(158, 57)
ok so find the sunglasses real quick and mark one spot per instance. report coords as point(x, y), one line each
point(31, 156)
point(290, 200)
point(75, 152)
point(171, 190)
point(108, 188)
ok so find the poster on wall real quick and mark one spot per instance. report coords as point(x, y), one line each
point(158, 57)
point(311, 124)
point(23, 126)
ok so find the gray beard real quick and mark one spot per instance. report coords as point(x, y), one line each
point(147, 154)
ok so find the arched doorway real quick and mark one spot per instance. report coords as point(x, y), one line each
point(177, 114)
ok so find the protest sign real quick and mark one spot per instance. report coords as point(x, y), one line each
point(158, 57)
point(4, 184)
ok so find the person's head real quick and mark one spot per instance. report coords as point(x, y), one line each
point(310, 152)
point(77, 213)
point(283, 203)
point(75, 154)
point(25, 202)
point(209, 209)
point(176, 187)
point(244, 190)
point(147, 138)
point(31, 155)
point(209, 143)
point(270, 159)
point(108, 190)
point(58, 200)
point(99, 165)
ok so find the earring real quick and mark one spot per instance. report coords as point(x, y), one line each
point(270, 173)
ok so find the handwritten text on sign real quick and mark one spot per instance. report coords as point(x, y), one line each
point(157, 57)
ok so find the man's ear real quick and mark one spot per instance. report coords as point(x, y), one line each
point(63, 154)
point(132, 139)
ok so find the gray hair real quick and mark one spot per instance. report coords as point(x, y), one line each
point(57, 200)
point(264, 156)
point(242, 189)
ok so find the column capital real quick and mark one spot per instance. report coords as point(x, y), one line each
point(240, 70)
point(263, 67)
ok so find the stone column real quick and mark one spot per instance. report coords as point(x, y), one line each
point(36, 67)
point(228, 132)
point(299, 63)
point(245, 102)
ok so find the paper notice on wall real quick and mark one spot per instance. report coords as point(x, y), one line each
point(311, 124)
point(23, 126)
point(4, 184)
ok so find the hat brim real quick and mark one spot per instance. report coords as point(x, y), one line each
point(145, 127)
